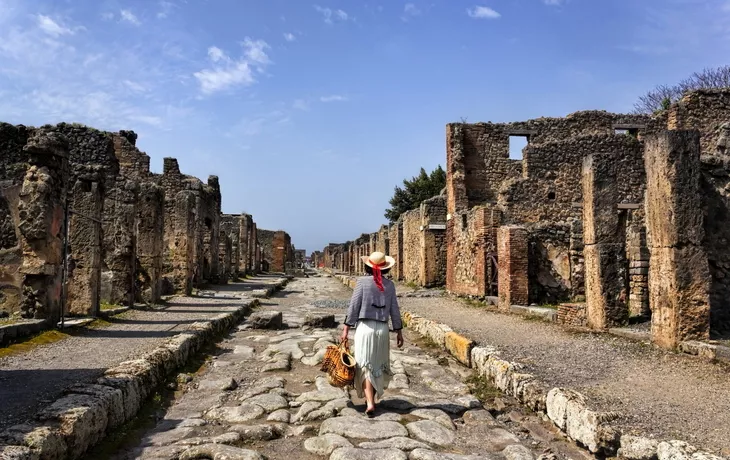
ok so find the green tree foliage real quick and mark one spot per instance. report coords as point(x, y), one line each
point(661, 97)
point(414, 191)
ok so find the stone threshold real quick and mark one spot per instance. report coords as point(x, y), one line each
point(568, 409)
point(71, 425)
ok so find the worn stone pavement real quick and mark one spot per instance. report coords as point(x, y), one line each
point(657, 393)
point(261, 395)
point(32, 380)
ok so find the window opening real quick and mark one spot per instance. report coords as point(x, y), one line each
point(516, 145)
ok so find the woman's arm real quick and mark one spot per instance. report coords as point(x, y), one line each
point(353, 310)
point(396, 319)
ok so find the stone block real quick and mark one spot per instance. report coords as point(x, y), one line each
point(321, 320)
point(679, 283)
point(568, 410)
point(673, 203)
point(459, 347)
point(82, 421)
point(600, 197)
point(606, 283)
point(266, 320)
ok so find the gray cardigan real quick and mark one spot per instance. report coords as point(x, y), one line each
point(368, 302)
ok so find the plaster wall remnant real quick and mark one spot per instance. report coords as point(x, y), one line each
point(679, 274)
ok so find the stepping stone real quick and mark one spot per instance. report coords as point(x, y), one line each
point(423, 454)
point(320, 320)
point(238, 414)
point(266, 320)
point(351, 453)
point(362, 428)
point(399, 442)
point(219, 451)
point(431, 432)
point(269, 402)
point(325, 444)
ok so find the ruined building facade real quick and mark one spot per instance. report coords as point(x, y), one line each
point(610, 216)
point(277, 252)
point(84, 223)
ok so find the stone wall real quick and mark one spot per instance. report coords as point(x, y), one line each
point(266, 240)
point(150, 242)
point(433, 242)
point(512, 254)
point(395, 238)
point(383, 240)
point(282, 253)
point(412, 246)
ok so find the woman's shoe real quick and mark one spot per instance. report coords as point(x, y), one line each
point(370, 412)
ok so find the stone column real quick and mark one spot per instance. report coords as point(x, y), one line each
point(184, 242)
point(679, 276)
point(119, 246)
point(41, 214)
point(150, 241)
point(84, 276)
point(604, 233)
point(512, 258)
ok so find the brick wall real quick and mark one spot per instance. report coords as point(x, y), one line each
point(512, 255)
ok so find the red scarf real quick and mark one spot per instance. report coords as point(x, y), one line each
point(377, 275)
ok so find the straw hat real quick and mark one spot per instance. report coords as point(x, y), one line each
point(379, 259)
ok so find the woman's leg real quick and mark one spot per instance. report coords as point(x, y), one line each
point(369, 394)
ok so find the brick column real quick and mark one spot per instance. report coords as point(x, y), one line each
point(679, 275)
point(512, 259)
point(604, 233)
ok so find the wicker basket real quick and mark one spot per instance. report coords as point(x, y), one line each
point(339, 365)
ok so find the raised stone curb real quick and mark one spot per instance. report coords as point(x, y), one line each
point(112, 312)
point(67, 428)
point(23, 328)
point(567, 409)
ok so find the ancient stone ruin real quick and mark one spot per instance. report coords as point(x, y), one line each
point(85, 224)
point(609, 216)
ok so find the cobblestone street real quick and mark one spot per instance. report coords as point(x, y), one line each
point(261, 395)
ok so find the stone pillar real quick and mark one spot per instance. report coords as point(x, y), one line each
point(150, 242)
point(679, 276)
point(512, 258)
point(84, 241)
point(119, 246)
point(41, 218)
point(638, 255)
point(604, 233)
point(183, 243)
point(433, 242)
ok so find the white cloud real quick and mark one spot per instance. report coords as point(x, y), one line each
point(134, 86)
point(108, 16)
point(553, 2)
point(129, 17)
point(289, 37)
point(483, 12)
point(330, 15)
point(226, 73)
point(165, 9)
point(333, 98)
point(410, 9)
point(301, 104)
point(250, 127)
point(51, 27)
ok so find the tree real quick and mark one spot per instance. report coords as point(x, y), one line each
point(414, 191)
point(661, 97)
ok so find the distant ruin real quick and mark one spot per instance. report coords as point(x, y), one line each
point(610, 216)
point(85, 224)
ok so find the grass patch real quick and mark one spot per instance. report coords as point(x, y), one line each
point(8, 321)
point(98, 324)
point(110, 306)
point(474, 303)
point(481, 388)
point(552, 306)
point(44, 338)
point(412, 285)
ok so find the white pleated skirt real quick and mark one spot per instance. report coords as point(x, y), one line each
point(372, 356)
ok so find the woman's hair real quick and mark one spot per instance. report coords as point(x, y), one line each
point(369, 270)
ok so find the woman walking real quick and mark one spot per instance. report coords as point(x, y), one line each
point(372, 303)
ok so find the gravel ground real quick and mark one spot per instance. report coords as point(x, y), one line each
point(659, 393)
point(31, 380)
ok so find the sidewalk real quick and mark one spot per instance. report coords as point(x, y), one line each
point(32, 380)
point(656, 392)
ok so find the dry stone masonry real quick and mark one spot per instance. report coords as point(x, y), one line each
point(84, 223)
point(611, 217)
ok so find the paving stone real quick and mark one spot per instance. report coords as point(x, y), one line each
point(315, 359)
point(399, 442)
point(498, 439)
point(269, 402)
point(290, 347)
point(262, 432)
point(225, 438)
point(351, 453)
point(423, 454)
point(431, 432)
point(281, 415)
point(321, 320)
point(280, 362)
point(325, 444)
point(192, 422)
point(436, 415)
point(266, 320)
point(637, 448)
point(443, 382)
point(263, 386)
point(220, 452)
point(398, 382)
point(238, 414)
point(362, 428)
point(479, 416)
point(244, 352)
point(304, 410)
point(517, 452)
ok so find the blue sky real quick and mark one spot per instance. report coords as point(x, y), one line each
point(311, 111)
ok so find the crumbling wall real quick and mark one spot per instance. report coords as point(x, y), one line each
point(433, 242)
point(704, 110)
point(383, 242)
point(472, 251)
point(412, 246)
point(281, 252)
point(150, 228)
point(395, 238)
point(266, 240)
